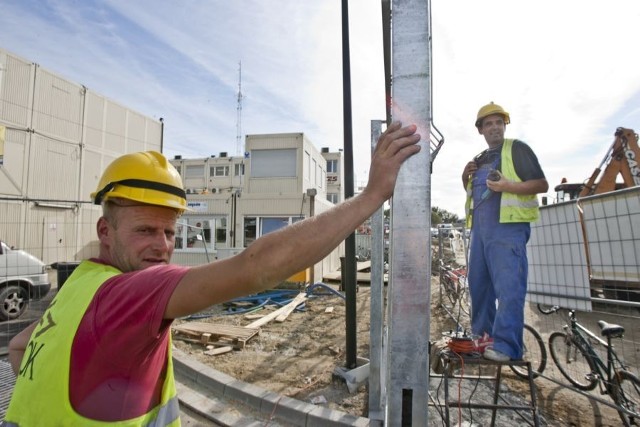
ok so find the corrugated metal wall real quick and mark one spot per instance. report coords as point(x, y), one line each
point(57, 107)
point(11, 216)
point(16, 89)
point(59, 138)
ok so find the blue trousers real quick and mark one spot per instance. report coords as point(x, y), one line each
point(498, 283)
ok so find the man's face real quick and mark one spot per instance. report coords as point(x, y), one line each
point(144, 236)
point(492, 128)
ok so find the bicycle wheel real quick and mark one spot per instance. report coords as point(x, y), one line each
point(572, 360)
point(626, 394)
point(464, 299)
point(534, 352)
point(451, 291)
point(547, 309)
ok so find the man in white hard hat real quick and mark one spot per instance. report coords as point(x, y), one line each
point(501, 183)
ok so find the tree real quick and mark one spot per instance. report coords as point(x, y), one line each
point(439, 216)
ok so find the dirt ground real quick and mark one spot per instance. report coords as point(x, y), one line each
point(298, 358)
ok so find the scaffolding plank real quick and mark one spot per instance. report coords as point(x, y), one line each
point(214, 333)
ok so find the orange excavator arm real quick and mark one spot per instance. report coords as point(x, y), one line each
point(621, 158)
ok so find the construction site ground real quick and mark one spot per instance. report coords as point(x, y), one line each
point(298, 357)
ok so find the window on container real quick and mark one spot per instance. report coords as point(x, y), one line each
point(272, 224)
point(194, 171)
point(332, 197)
point(319, 176)
point(332, 166)
point(313, 172)
point(250, 230)
point(238, 169)
point(255, 227)
point(220, 231)
point(219, 171)
point(200, 232)
point(307, 164)
point(279, 163)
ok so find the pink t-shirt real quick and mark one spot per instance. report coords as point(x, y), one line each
point(119, 354)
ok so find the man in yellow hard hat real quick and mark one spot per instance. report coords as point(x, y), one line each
point(102, 351)
point(501, 183)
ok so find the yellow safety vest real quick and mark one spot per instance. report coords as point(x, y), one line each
point(41, 393)
point(513, 207)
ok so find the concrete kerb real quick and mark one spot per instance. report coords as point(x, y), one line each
point(281, 407)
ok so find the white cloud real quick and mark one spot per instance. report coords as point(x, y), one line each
point(564, 70)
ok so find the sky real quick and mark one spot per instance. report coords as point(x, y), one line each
point(567, 71)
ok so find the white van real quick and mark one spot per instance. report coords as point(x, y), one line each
point(23, 277)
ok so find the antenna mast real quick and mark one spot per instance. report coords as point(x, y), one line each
point(239, 150)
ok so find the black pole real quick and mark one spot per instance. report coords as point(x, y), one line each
point(386, 48)
point(349, 285)
point(234, 205)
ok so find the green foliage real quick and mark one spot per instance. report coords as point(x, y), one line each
point(439, 216)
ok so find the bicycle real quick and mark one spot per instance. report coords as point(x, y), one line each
point(454, 283)
point(575, 356)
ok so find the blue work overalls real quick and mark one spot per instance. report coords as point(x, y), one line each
point(497, 270)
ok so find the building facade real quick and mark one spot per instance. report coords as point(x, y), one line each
point(57, 136)
point(281, 179)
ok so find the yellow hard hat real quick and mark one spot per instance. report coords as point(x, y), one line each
point(145, 177)
point(490, 109)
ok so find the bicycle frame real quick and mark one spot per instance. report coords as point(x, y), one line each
point(452, 278)
point(584, 338)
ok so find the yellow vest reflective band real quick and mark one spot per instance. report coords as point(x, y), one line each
point(41, 394)
point(513, 207)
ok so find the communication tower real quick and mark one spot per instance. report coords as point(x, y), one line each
point(239, 148)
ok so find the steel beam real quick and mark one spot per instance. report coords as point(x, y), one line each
point(407, 348)
point(376, 329)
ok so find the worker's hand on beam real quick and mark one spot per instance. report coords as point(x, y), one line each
point(394, 146)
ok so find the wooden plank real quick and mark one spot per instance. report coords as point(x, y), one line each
point(219, 350)
point(301, 297)
point(237, 345)
point(269, 317)
point(363, 265)
point(216, 329)
point(216, 334)
point(253, 316)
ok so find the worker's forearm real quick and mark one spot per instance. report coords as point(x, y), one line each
point(308, 241)
point(271, 258)
point(534, 186)
point(15, 359)
point(18, 345)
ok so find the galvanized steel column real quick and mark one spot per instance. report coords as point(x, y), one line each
point(410, 250)
point(376, 324)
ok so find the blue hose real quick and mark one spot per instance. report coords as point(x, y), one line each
point(279, 297)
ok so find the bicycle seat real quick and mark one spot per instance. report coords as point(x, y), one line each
point(610, 329)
